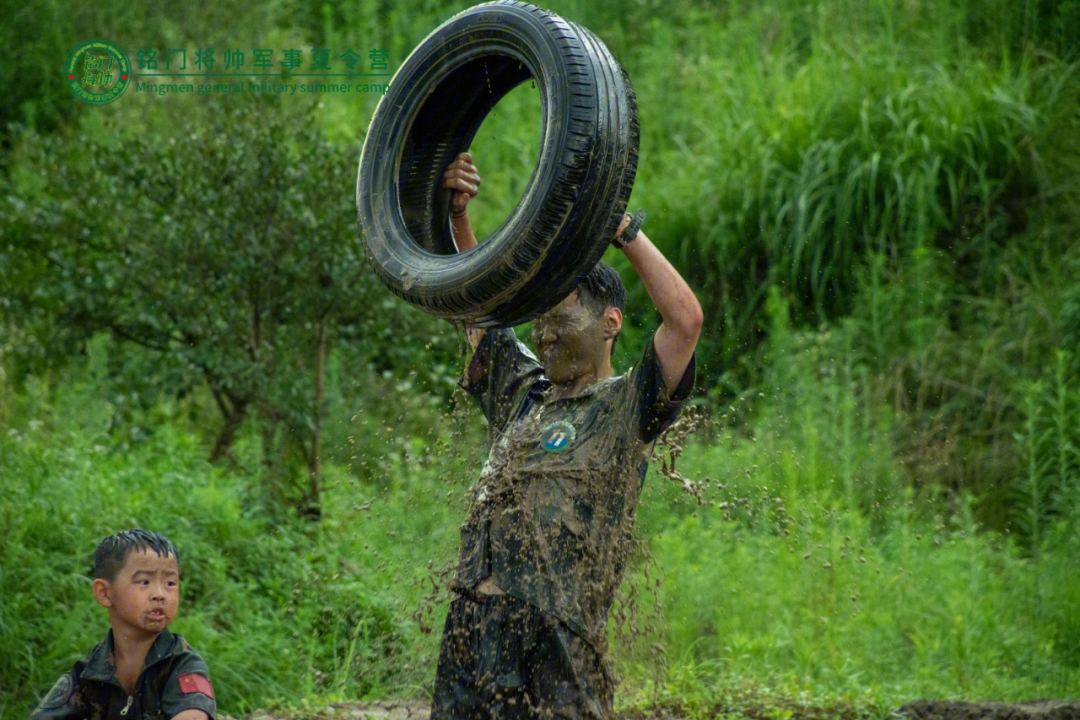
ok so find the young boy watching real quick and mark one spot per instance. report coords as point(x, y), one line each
point(140, 671)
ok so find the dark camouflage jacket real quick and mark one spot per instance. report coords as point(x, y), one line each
point(553, 511)
point(174, 679)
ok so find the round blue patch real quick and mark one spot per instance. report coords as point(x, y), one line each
point(558, 436)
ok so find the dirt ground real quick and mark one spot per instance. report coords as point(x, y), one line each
point(917, 710)
point(1037, 710)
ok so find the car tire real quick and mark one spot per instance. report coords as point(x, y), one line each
point(574, 199)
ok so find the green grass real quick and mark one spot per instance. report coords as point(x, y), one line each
point(810, 573)
point(279, 610)
point(812, 568)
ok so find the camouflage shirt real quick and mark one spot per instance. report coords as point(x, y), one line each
point(552, 514)
point(174, 679)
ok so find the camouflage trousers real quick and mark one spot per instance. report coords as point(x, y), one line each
point(503, 658)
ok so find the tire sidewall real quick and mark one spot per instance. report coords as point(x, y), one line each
point(513, 32)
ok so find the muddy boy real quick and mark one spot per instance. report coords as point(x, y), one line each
point(140, 671)
point(544, 547)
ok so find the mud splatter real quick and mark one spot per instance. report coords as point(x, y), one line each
point(669, 448)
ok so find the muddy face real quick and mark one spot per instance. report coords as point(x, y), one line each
point(570, 341)
point(145, 595)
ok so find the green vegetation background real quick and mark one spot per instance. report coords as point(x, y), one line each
point(875, 200)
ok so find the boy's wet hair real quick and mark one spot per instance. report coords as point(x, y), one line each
point(113, 551)
point(603, 288)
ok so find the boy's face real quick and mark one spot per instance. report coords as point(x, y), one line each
point(145, 595)
point(570, 341)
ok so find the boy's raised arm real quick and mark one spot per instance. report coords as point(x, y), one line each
point(677, 336)
point(464, 180)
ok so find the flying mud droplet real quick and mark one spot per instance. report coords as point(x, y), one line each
point(669, 447)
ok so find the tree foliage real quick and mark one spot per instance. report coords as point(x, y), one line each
point(231, 252)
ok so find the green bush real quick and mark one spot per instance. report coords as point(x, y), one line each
point(281, 609)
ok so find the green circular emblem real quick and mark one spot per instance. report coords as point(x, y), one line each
point(97, 71)
point(558, 436)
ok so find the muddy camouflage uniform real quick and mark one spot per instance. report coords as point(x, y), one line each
point(174, 679)
point(551, 523)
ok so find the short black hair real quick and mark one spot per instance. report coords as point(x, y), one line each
point(603, 288)
point(113, 551)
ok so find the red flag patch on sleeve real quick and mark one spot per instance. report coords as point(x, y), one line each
point(195, 683)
